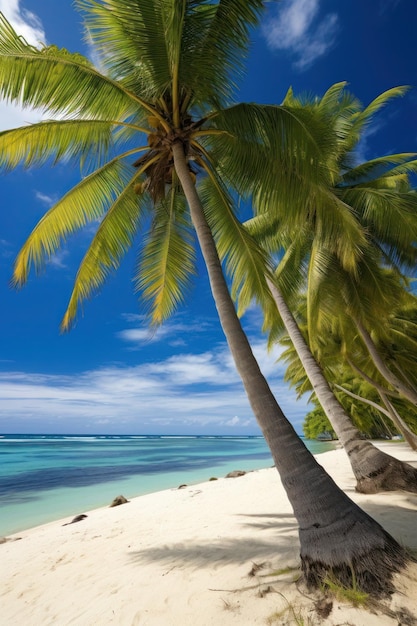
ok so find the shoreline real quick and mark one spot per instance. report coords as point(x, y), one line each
point(183, 556)
point(42, 488)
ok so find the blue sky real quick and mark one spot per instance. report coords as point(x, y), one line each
point(109, 374)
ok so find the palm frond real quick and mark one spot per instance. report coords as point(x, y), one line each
point(57, 81)
point(59, 140)
point(219, 48)
point(130, 40)
point(244, 260)
point(269, 232)
point(409, 167)
point(142, 44)
point(280, 147)
point(382, 99)
point(167, 260)
point(391, 217)
point(331, 98)
point(380, 167)
point(113, 238)
point(291, 270)
point(86, 202)
point(368, 112)
point(336, 225)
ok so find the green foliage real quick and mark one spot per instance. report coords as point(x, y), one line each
point(167, 259)
point(168, 71)
point(353, 594)
point(336, 349)
point(349, 256)
point(316, 423)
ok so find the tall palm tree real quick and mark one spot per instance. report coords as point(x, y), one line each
point(381, 197)
point(374, 470)
point(146, 126)
point(314, 246)
point(349, 382)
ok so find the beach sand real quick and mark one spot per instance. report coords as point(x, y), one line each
point(183, 557)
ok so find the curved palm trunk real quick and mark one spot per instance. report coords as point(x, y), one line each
point(389, 411)
point(404, 390)
point(407, 433)
point(335, 534)
point(376, 406)
point(373, 469)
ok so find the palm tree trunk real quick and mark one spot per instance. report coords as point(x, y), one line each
point(376, 406)
point(406, 432)
point(389, 411)
point(373, 469)
point(404, 390)
point(335, 534)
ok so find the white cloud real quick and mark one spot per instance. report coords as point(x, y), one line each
point(23, 21)
point(298, 29)
point(235, 421)
point(173, 332)
point(58, 259)
point(29, 26)
point(137, 336)
point(13, 116)
point(45, 199)
point(188, 393)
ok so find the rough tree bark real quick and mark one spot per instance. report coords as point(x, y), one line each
point(374, 470)
point(336, 536)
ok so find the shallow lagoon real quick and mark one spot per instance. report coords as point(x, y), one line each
point(48, 477)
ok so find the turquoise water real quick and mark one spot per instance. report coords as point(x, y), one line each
point(49, 477)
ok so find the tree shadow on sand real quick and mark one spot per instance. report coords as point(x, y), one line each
point(399, 521)
point(231, 550)
point(281, 545)
point(224, 551)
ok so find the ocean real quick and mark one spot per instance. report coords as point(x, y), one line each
point(48, 477)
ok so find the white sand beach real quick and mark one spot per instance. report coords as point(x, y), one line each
point(183, 557)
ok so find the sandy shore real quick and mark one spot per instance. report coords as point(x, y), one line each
point(183, 557)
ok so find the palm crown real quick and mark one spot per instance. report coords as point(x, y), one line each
point(167, 74)
point(374, 200)
point(368, 293)
point(155, 71)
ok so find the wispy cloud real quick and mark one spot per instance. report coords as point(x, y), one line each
point(45, 199)
point(187, 393)
point(58, 259)
point(299, 29)
point(5, 249)
point(171, 332)
point(28, 25)
point(364, 150)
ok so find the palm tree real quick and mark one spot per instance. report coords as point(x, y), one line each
point(316, 246)
point(350, 385)
point(374, 470)
point(342, 349)
point(381, 197)
point(146, 126)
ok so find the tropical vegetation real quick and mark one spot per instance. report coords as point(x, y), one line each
point(155, 119)
point(361, 202)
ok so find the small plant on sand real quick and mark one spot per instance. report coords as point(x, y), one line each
point(341, 592)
